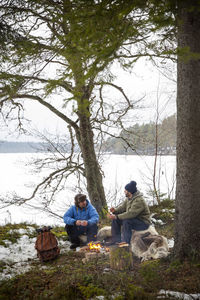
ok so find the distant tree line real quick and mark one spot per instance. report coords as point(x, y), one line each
point(141, 139)
point(137, 139)
point(32, 147)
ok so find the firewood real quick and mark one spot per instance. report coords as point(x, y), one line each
point(91, 255)
point(84, 248)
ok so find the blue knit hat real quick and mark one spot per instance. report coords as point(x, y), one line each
point(131, 187)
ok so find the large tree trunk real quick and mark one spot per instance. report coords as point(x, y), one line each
point(187, 222)
point(92, 169)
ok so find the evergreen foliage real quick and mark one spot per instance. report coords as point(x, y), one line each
point(142, 139)
point(63, 49)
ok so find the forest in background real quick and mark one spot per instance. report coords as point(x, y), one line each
point(145, 139)
point(31, 147)
point(137, 139)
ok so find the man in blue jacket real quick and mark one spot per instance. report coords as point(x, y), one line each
point(81, 218)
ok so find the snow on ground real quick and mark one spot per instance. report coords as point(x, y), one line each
point(177, 295)
point(170, 243)
point(18, 256)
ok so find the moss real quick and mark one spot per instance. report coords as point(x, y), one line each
point(7, 290)
point(91, 291)
point(10, 232)
point(134, 292)
point(63, 291)
point(50, 271)
point(87, 278)
point(121, 258)
point(175, 265)
point(60, 232)
point(120, 297)
point(150, 273)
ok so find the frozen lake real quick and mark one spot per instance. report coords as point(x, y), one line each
point(18, 177)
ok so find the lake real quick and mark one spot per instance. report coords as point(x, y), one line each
point(18, 177)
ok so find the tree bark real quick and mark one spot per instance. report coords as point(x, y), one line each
point(121, 258)
point(187, 220)
point(92, 169)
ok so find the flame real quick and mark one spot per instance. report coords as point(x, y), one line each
point(94, 246)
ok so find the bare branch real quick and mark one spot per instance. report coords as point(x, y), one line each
point(50, 107)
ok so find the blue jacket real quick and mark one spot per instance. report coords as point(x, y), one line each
point(87, 213)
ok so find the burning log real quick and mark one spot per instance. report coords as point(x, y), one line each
point(121, 257)
point(94, 246)
point(93, 250)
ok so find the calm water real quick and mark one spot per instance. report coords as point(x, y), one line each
point(18, 177)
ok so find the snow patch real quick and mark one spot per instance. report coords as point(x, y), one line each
point(17, 257)
point(170, 243)
point(155, 221)
point(178, 295)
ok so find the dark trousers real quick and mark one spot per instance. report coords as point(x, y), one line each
point(122, 229)
point(74, 231)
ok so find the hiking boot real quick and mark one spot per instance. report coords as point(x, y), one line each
point(74, 246)
point(111, 243)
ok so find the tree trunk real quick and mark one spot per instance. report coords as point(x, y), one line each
point(92, 169)
point(121, 258)
point(187, 221)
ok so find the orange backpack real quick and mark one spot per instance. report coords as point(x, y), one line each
point(46, 244)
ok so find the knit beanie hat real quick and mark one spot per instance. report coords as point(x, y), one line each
point(131, 187)
point(79, 198)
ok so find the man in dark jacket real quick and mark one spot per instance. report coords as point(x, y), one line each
point(81, 218)
point(133, 213)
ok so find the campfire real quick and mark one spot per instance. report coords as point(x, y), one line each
point(93, 250)
point(119, 255)
point(94, 247)
point(97, 247)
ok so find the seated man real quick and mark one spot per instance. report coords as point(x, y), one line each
point(81, 218)
point(133, 213)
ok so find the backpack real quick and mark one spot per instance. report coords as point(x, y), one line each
point(46, 244)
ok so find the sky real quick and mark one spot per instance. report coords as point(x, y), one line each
point(143, 81)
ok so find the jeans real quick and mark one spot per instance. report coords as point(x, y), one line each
point(122, 229)
point(74, 231)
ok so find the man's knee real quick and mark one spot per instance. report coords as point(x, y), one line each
point(92, 228)
point(92, 232)
point(135, 224)
point(69, 228)
point(116, 223)
point(126, 223)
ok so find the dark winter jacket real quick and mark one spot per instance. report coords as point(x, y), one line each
point(134, 207)
point(87, 213)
